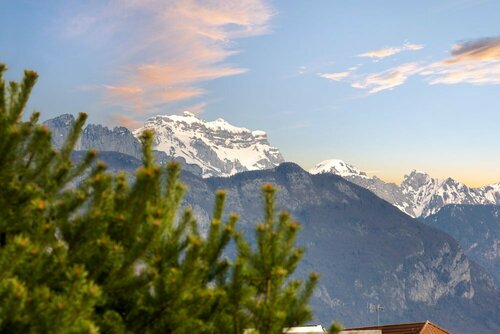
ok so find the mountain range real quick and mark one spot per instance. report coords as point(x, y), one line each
point(358, 230)
point(218, 148)
point(419, 195)
point(215, 148)
point(366, 250)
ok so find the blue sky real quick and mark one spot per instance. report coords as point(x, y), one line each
point(388, 86)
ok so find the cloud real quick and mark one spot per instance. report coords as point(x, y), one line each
point(126, 121)
point(180, 73)
point(126, 92)
point(164, 50)
point(390, 51)
point(375, 82)
point(179, 94)
point(134, 122)
point(483, 49)
point(388, 79)
point(474, 62)
point(336, 76)
point(130, 95)
point(197, 108)
point(478, 73)
point(302, 69)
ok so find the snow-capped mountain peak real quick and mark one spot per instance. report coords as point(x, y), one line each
point(387, 191)
point(338, 167)
point(218, 147)
point(429, 195)
point(419, 195)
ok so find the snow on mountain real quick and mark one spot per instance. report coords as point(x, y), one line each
point(219, 148)
point(388, 191)
point(429, 195)
point(492, 192)
point(222, 149)
point(337, 167)
point(419, 195)
point(419, 188)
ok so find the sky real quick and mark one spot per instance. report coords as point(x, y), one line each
point(388, 86)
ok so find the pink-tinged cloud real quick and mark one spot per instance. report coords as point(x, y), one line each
point(484, 49)
point(387, 80)
point(197, 108)
point(478, 73)
point(168, 48)
point(179, 94)
point(120, 95)
point(335, 76)
point(474, 62)
point(126, 121)
point(134, 122)
point(126, 92)
point(390, 51)
point(180, 74)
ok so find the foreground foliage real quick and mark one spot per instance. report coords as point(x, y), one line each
point(84, 251)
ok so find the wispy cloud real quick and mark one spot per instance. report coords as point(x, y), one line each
point(171, 95)
point(126, 121)
point(474, 62)
point(478, 73)
point(129, 95)
point(165, 49)
point(302, 69)
point(388, 79)
point(198, 108)
point(483, 49)
point(336, 76)
point(376, 82)
point(390, 51)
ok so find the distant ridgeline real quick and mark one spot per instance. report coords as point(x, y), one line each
point(419, 195)
point(206, 148)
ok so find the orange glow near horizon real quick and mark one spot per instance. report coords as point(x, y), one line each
point(472, 179)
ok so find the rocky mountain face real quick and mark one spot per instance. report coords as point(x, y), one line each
point(98, 137)
point(118, 139)
point(214, 148)
point(419, 195)
point(477, 229)
point(60, 127)
point(117, 144)
point(428, 195)
point(218, 147)
point(365, 249)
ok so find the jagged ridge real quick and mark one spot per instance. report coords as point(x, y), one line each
point(419, 195)
point(218, 147)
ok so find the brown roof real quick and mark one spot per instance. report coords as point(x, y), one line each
point(411, 328)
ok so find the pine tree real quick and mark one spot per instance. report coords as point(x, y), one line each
point(41, 289)
point(86, 251)
point(279, 301)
